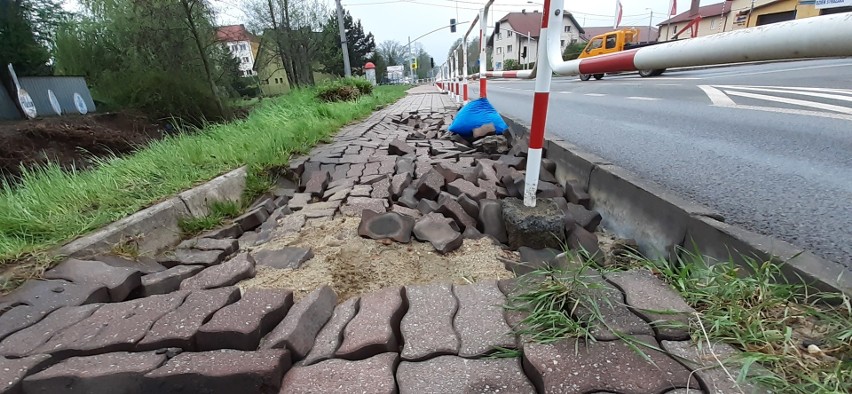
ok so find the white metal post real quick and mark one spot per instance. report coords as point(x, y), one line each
point(464, 71)
point(483, 56)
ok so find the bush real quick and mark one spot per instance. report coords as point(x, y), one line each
point(573, 51)
point(364, 86)
point(337, 90)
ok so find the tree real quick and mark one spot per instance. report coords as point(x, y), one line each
point(361, 46)
point(392, 52)
point(473, 57)
point(194, 10)
point(573, 51)
point(27, 30)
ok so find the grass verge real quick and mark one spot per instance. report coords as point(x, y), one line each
point(219, 211)
point(51, 206)
point(803, 339)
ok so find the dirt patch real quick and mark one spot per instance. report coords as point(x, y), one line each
point(71, 141)
point(352, 265)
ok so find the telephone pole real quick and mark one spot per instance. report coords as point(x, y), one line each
point(347, 70)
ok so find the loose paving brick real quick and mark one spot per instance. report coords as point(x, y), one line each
point(549, 190)
point(329, 338)
point(283, 257)
point(576, 194)
point(399, 183)
point(299, 329)
point(408, 199)
point(299, 201)
point(491, 220)
point(252, 219)
point(704, 360)
point(229, 245)
point(242, 324)
point(206, 258)
point(429, 185)
point(178, 328)
point(452, 374)
point(655, 302)
point(461, 187)
point(231, 230)
point(479, 320)
point(568, 367)
point(118, 281)
point(470, 206)
point(426, 207)
point(221, 372)
point(145, 265)
point(452, 209)
point(317, 183)
point(374, 375)
point(13, 371)
point(398, 147)
point(166, 281)
point(586, 243)
point(355, 206)
point(375, 329)
point(22, 343)
point(228, 273)
point(427, 327)
point(381, 189)
point(413, 213)
point(387, 225)
point(113, 327)
point(590, 220)
point(109, 373)
point(435, 229)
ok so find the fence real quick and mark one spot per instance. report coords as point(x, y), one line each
point(64, 88)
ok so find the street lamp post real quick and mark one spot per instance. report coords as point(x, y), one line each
point(650, 23)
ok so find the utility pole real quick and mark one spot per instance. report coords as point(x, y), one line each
point(650, 23)
point(410, 58)
point(347, 69)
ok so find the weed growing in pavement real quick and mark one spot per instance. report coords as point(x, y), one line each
point(219, 211)
point(502, 352)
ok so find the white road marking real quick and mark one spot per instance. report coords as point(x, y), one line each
point(669, 84)
point(789, 91)
point(803, 103)
point(844, 91)
point(776, 71)
point(791, 111)
point(717, 97)
point(564, 92)
point(643, 98)
point(595, 94)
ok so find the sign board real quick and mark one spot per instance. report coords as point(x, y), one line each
point(24, 98)
point(395, 73)
point(80, 104)
point(823, 4)
point(54, 103)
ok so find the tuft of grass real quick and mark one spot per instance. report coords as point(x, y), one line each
point(50, 206)
point(219, 211)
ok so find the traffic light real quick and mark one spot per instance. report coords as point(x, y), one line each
point(524, 53)
point(497, 28)
point(432, 62)
point(414, 65)
point(452, 25)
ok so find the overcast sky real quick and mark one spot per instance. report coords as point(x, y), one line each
point(399, 19)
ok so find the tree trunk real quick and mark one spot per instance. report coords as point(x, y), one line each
point(206, 62)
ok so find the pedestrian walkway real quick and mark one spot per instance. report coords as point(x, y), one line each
point(187, 322)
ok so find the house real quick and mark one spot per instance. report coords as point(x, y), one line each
point(239, 42)
point(646, 34)
point(268, 67)
point(714, 18)
point(520, 30)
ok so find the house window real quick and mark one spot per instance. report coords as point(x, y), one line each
point(508, 33)
point(714, 23)
point(499, 36)
point(499, 50)
point(508, 49)
point(242, 47)
point(245, 59)
point(567, 29)
point(573, 41)
point(562, 43)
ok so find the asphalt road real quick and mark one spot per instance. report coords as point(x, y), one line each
point(769, 146)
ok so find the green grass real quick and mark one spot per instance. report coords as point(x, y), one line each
point(51, 206)
point(219, 212)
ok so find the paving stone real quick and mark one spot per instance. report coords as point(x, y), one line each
point(375, 329)
point(461, 187)
point(452, 374)
point(427, 327)
point(575, 193)
point(320, 206)
point(547, 189)
point(22, 343)
point(339, 195)
point(531, 260)
point(317, 182)
point(470, 206)
point(612, 320)
point(248, 239)
point(112, 327)
point(485, 170)
point(355, 206)
point(361, 191)
point(145, 265)
point(655, 302)
point(118, 281)
point(374, 375)
point(283, 257)
point(192, 257)
point(437, 231)
point(36, 298)
point(242, 324)
point(166, 281)
point(586, 243)
point(429, 185)
point(370, 169)
point(536, 227)
point(408, 198)
point(252, 219)
point(13, 371)
point(299, 201)
point(449, 171)
point(405, 165)
point(472, 233)
point(569, 367)
point(178, 328)
point(399, 183)
point(426, 207)
point(454, 210)
point(516, 162)
point(373, 178)
point(221, 371)
point(413, 213)
point(231, 230)
point(329, 338)
point(267, 203)
point(228, 273)
point(387, 225)
point(398, 147)
point(299, 329)
point(590, 220)
point(286, 225)
point(109, 373)
point(491, 220)
point(381, 189)
point(704, 360)
point(479, 320)
point(229, 245)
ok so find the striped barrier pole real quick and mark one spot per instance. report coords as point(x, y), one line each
point(539, 114)
point(464, 71)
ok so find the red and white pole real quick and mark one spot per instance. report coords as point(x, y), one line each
point(464, 71)
point(483, 56)
point(540, 102)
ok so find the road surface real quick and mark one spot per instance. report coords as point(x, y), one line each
point(769, 146)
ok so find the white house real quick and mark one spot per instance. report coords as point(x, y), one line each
point(519, 30)
point(239, 42)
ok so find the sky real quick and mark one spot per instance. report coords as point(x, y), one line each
point(400, 19)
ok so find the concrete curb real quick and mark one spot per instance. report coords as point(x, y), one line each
point(156, 228)
point(662, 222)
